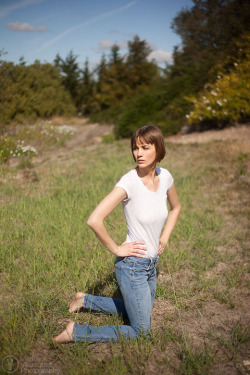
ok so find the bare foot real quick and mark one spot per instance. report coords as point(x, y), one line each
point(66, 335)
point(77, 302)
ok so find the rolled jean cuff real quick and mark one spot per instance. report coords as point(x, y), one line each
point(85, 299)
point(77, 334)
point(74, 332)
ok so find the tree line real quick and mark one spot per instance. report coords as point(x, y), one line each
point(130, 90)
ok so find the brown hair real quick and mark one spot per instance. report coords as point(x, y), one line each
point(153, 135)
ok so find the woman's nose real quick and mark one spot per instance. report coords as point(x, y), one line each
point(139, 151)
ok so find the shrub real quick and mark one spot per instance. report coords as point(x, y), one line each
point(29, 92)
point(138, 112)
point(225, 101)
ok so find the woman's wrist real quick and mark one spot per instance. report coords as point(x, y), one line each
point(115, 250)
point(163, 242)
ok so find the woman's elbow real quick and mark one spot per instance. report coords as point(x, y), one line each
point(91, 222)
point(177, 209)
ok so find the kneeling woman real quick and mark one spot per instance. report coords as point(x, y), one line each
point(143, 192)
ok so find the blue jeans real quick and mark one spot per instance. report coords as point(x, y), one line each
point(136, 278)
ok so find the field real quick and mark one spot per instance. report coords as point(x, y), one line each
point(201, 311)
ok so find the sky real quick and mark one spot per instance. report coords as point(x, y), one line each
point(39, 29)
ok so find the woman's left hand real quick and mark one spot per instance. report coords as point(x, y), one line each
point(161, 247)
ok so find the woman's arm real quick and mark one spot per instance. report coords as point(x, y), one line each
point(96, 222)
point(175, 209)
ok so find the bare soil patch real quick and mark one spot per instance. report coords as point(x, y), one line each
point(238, 132)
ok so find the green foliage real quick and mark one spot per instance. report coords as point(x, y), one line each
point(70, 74)
point(225, 101)
point(130, 90)
point(137, 112)
point(139, 70)
point(210, 31)
point(108, 138)
point(119, 78)
point(86, 90)
point(29, 92)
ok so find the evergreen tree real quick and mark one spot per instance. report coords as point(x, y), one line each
point(114, 55)
point(70, 73)
point(87, 90)
point(101, 71)
point(139, 70)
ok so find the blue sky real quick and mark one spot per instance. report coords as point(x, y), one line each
point(39, 29)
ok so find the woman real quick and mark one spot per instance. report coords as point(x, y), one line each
point(143, 192)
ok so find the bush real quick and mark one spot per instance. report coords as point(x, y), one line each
point(29, 92)
point(142, 110)
point(225, 101)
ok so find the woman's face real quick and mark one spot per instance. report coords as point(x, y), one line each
point(144, 153)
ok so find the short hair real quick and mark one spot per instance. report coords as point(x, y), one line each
point(153, 135)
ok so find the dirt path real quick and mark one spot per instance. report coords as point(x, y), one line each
point(240, 133)
point(88, 134)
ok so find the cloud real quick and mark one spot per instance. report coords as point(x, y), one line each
point(107, 44)
point(160, 56)
point(5, 10)
point(114, 31)
point(85, 23)
point(26, 27)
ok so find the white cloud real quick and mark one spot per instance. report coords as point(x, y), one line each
point(26, 27)
point(160, 56)
point(114, 31)
point(5, 10)
point(107, 44)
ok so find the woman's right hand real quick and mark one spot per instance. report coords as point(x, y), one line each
point(135, 249)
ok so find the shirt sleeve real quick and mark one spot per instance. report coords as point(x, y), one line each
point(169, 180)
point(125, 184)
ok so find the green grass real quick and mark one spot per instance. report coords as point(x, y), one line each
point(48, 253)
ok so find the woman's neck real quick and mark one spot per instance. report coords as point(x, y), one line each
point(149, 172)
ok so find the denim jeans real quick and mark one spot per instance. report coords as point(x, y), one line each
point(136, 278)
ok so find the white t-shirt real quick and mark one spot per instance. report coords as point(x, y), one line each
point(145, 211)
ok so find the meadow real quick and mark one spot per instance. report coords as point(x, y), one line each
point(201, 311)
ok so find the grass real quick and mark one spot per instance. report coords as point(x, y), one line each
point(48, 253)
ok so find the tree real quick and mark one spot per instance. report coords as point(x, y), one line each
point(70, 73)
point(114, 55)
point(140, 71)
point(100, 71)
point(87, 89)
point(28, 92)
point(209, 32)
